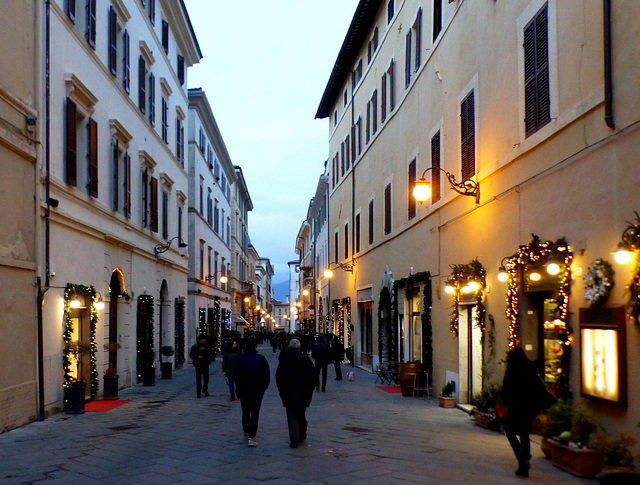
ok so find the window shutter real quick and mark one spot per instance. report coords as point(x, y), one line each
point(467, 129)
point(145, 198)
point(92, 156)
point(113, 41)
point(126, 172)
point(152, 99)
point(374, 109)
point(116, 174)
point(336, 250)
point(126, 70)
point(368, 128)
point(142, 82)
point(165, 36)
point(154, 204)
point(346, 241)
point(387, 209)
point(536, 73)
point(412, 182)
point(71, 10)
point(437, 18)
point(165, 215)
point(371, 222)
point(418, 38)
point(383, 98)
point(435, 164)
point(178, 139)
point(407, 60)
point(71, 138)
point(180, 69)
point(392, 86)
point(91, 23)
point(152, 11)
point(357, 229)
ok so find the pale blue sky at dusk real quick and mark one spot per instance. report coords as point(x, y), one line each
point(264, 69)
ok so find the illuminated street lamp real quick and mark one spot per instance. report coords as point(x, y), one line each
point(422, 191)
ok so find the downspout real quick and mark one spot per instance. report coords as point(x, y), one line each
point(42, 291)
point(608, 77)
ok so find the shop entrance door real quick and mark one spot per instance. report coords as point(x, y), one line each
point(469, 353)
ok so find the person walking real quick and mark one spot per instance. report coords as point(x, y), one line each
point(525, 395)
point(231, 354)
point(252, 376)
point(337, 355)
point(320, 352)
point(200, 355)
point(296, 378)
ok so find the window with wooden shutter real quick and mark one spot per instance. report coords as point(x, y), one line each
point(165, 120)
point(383, 98)
point(126, 69)
point(142, 84)
point(437, 18)
point(418, 29)
point(342, 159)
point(113, 41)
point(346, 241)
point(154, 204)
point(390, 11)
point(536, 73)
point(71, 172)
point(165, 215)
point(71, 10)
point(407, 60)
point(374, 112)
point(165, 36)
point(357, 230)
point(392, 86)
point(126, 185)
point(92, 157)
point(368, 127)
point(468, 137)
point(91, 23)
point(387, 209)
point(145, 198)
point(371, 223)
point(181, 69)
point(178, 139)
point(152, 11)
point(411, 201)
point(152, 99)
point(115, 163)
point(435, 164)
point(336, 250)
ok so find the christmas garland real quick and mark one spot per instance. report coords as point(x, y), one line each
point(460, 275)
point(87, 291)
point(598, 282)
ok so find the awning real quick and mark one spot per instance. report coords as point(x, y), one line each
point(240, 320)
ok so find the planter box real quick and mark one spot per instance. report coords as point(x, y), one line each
point(447, 402)
point(619, 476)
point(74, 396)
point(581, 462)
point(110, 388)
point(149, 376)
point(167, 370)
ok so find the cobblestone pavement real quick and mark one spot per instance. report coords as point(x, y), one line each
point(357, 434)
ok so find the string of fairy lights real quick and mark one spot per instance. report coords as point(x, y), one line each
point(464, 279)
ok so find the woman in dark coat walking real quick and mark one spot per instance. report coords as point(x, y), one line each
point(295, 378)
point(524, 394)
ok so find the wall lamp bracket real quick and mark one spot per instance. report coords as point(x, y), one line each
point(162, 248)
point(422, 191)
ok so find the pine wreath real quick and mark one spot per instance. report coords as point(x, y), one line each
point(598, 282)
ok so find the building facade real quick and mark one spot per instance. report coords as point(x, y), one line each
point(534, 103)
point(211, 175)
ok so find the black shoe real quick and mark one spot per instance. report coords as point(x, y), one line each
point(522, 472)
point(293, 445)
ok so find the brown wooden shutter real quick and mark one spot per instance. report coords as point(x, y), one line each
point(435, 164)
point(154, 204)
point(92, 157)
point(392, 86)
point(71, 139)
point(467, 130)
point(113, 41)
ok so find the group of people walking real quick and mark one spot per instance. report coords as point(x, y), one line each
point(248, 376)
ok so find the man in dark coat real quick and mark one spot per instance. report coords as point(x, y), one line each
point(321, 353)
point(200, 355)
point(252, 375)
point(337, 354)
point(295, 378)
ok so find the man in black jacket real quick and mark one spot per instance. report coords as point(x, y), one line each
point(295, 378)
point(321, 353)
point(200, 355)
point(252, 375)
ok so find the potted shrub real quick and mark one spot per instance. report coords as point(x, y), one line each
point(488, 412)
point(74, 388)
point(446, 399)
point(147, 359)
point(166, 367)
point(110, 384)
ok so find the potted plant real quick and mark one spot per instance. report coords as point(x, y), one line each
point(618, 458)
point(74, 388)
point(489, 411)
point(166, 367)
point(110, 384)
point(147, 359)
point(446, 399)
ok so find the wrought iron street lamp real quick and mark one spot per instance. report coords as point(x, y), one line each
point(162, 248)
point(422, 191)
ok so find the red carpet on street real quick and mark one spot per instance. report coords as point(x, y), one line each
point(391, 389)
point(103, 406)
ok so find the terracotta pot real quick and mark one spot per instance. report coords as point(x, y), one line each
point(447, 402)
point(581, 462)
point(482, 419)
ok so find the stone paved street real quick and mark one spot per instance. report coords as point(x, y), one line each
point(357, 434)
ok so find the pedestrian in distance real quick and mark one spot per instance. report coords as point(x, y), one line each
point(231, 354)
point(525, 395)
point(200, 355)
point(252, 376)
point(321, 354)
point(337, 355)
point(296, 378)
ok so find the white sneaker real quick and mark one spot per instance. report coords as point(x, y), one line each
point(252, 442)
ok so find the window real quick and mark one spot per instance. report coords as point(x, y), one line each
point(536, 73)
point(71, 10)
point(90, 33)
point(346, 241)
point(142, 84)
point(179, 222)
point(153, 204)
point(390, 11)
point(81, 130)
point(201, 197)
point(216, 218)
point(152, 11)
point(368, 127)
point(180, 69)
point(342, 159)
point(347, 146)
point(383, 96)
point(359, 134)
point(387, 209)
point(345, 97)
point(407, 60)
point(435, 163)
point(179, 141)
point(165, 215)
point(113, 41)
point(152, 99)
point(392, 86)
point(201, 259)
point(126, 62)
point(437, 18)
point(335, 118)
point(165, 36)
point(336, 247)
point(467, 131)
point(209, 208)
point(165, 120)
point(374, 112)
point(357, 231)
point(358, 76)
point(412, 182)
point(417, 35)
point(121, 189)
point(202, 140)
point(371, 222)
point(145, 198)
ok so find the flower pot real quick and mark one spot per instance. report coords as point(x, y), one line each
point(482, 419)
point(447, 402)
point(167, 369)
point(74, 399)
point(110, 388)
point(149, 376)
point(581, 462)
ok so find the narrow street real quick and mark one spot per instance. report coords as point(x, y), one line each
point(358, 433)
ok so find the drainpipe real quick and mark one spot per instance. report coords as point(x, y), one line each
point(608, 78)
point(43, 290)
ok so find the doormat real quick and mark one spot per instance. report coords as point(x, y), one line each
point(391, 389)
point(103, 406)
